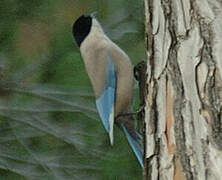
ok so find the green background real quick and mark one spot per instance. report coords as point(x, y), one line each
point(49, 126)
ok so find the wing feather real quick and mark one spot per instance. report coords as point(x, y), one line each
point(105, 103)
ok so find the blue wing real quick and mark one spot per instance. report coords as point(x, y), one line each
point(135, 145)
point(105, 103)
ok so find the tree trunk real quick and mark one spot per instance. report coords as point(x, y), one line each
point(183, 113)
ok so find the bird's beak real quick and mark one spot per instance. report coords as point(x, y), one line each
point(93, 14)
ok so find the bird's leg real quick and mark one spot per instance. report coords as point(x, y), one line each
point(140, 76)
point(132, 113)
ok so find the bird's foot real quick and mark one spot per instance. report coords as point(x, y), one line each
point(140, 70)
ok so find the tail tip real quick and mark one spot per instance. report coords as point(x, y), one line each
point(111, 138)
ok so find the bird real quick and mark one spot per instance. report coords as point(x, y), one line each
point(111, 74)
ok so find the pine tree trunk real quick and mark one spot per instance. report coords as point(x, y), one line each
point(183, 114)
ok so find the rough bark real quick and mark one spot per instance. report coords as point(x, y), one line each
point(183, 113)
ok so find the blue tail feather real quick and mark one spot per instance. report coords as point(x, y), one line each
point(135, 145)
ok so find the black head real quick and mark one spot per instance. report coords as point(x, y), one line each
point(81, 28)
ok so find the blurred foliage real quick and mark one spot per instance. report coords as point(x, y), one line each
point(49, 126)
